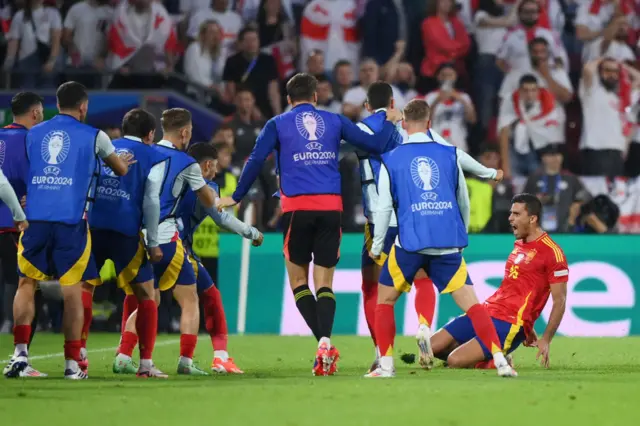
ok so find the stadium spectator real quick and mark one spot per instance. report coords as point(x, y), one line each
point(490, 202)
point(514, 50)
point(84, 38)
point(605, 92)
point(612, 43)
point(451, 110)
point(245, 125)
point(315, 63)
point(382, 25)
point(113, 131)
point(445, 39)
point(404, 79)
point(598, 216)
point(561, 194)
point(596, 17)
point(491, 23)
point(343, 79)
point(273, 23)
point(142, 44)
point(528, 121)
point(229, 20)
point(353, 101)
point(632, 163)
point(330, 26)
point(34, 36)
point(203, 61)
point(255, 70)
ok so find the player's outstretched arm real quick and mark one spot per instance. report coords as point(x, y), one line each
point(233, 224)
point(381, 212)
point(470, 165)
point(559, 298)
point(371, 143)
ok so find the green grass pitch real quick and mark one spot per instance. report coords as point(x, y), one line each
point(591, 382)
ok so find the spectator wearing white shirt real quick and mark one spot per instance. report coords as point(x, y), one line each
point(84, 37)
point(594, 16)
point(203, 63)
point(611, 44)
point(514, 50)
point(605, 92)
point(353, 101)
point(315, 63)
point(491, 22)
point(551, 76)
point(451, 110)
point(34, 36)
point(229, 20)
point(528, 121)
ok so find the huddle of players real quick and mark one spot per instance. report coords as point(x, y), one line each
point(425, 247)
point(146, 200)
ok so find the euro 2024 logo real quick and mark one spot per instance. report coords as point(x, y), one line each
point(310, 125)
point(113, 179)
point(426, 176)
point(55, 150)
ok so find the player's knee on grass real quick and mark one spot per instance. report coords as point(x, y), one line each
point(387, 295)
point(466, 356)
point(443, 344)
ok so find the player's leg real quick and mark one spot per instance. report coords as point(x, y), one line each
point(326, 237)
point(455, 333)
point(215, 320)
point(397, 273)
point(370, 274)
point(297, 250)
point(33, 266)
point(425, 303)
point(449, 274)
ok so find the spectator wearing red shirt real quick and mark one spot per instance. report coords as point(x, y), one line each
point(445, 39)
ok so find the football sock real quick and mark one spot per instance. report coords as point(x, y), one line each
point(483, 326)
point(306, 304)
point(385, 329)
point(425, 300)
point(188, 345)
point(486, 365)
point(21, 335)
point(223, 355)
point(147, 327)
point(370, 298)
point(128, 343)
point(214, 318)
point(72, 350)
point(129, 305)
point(326, 306)
point(87, 305)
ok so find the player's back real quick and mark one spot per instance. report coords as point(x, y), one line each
point(530, 271)
point(119, 199)
point(14, 164)
point(178, 161)
point(63, 169)
point(308, 144)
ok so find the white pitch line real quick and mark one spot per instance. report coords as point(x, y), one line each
point(92, 351)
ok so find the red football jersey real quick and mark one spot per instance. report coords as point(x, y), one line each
point(531, 269)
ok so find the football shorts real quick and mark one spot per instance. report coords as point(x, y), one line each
point(510, 335)
point(174, 268)
point(312, 235)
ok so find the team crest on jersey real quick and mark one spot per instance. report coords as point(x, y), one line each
point(518, 258)
point(3, 148)
point(530, 255)
point(107, 170)
point(425, 173)
point(310, 125)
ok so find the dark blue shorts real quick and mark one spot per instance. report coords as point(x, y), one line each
point(389, 239)
point(448, 271)
point(510, 335)
point(128, 254)
point(203, 279)
point(174, 268)
point(50, 250)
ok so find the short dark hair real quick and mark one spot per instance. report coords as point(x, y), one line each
point(301, 87)
point(531, 203)
point(417, 110)
point(222, 146)
point(71, 95)
point(527, 78)
point(538, 40)
point(138, 123)
point(321, 78)
point(202, 152)
point(244, 88)
point(23, 102)
point(379, 95)
point(341, 63)
point(174, 119)
point(245, 30)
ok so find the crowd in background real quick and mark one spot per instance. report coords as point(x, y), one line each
point(536, 87)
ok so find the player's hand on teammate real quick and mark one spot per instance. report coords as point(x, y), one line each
point(127, 157)
point(543, 352)
point(22, 225)
point(394, 115)
point(155, 254)
point(258, 241)
point(225, 202)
